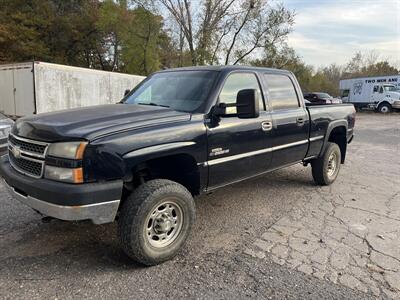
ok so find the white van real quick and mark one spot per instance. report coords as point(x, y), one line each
point(380, 93)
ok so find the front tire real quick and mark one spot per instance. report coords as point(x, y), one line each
point(325, 169)
point(384, 108)
point(155, 221)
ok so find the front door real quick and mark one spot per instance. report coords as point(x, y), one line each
point(238, 148)
point(290, 121)
point(377, 94)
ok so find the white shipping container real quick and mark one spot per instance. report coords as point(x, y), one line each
point(38, 87)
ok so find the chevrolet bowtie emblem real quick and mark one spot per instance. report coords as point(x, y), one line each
point(16, 152)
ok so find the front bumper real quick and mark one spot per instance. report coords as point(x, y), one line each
point(396, 105)
point(97, 202)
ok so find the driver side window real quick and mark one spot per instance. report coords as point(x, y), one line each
point(236, 82)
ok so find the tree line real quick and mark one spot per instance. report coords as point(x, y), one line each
point(143, 36)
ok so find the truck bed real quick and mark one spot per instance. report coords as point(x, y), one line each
point(323, 118)
point(331, 112)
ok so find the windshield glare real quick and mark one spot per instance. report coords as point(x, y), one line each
point(390, 88)
point(180, 90)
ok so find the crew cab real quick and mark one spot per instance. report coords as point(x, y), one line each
point(180, 133)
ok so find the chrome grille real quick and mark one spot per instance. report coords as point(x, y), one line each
point(24, 145)
point(27, 156)
point(27, 166)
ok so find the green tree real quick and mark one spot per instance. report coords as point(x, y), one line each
point(368, 64)
point(21, 28)
point(106, 35)
point(50, 30)
point(141, 52)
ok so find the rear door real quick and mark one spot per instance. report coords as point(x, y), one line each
point(238, 148)
point(17, 89)
point(290, 120)
point(7, 91)
point(24, 91)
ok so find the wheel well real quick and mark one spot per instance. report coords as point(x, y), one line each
point(384, 102)
point(181, 168)
point(338, 136)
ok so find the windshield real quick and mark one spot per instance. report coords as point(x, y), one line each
point(323, 95)
point(180, 90)
point(390, 88)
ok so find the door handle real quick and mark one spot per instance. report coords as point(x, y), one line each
point(266, 125)
point(300, 121)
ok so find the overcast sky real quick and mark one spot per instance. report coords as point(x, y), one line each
point(331, 31)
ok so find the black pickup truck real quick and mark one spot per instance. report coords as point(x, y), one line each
point(180, 133)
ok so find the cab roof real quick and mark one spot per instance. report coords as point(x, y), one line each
point(225, 68)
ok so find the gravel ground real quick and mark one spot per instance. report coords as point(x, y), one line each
point(276, 236)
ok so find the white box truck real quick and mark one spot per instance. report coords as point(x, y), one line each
point(38, 87)
point(381, 93)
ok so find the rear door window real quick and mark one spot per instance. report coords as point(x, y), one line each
point(281, 92)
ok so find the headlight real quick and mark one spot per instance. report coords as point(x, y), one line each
point(70, 150)
point(64, 174)
point(4, 131)
point(64, 162)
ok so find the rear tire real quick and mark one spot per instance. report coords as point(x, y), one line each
point(155, 221)
point(325, 169)
point(384, 108)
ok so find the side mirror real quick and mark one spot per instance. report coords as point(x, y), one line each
point(247, 104)
point(127, 91)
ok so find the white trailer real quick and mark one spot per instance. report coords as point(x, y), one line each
point(38, 87)
point(381, 93)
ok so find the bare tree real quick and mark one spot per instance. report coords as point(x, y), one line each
point(227, 31)
point(182, 13)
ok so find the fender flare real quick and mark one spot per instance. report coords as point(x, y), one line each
point(331, 126)
point(140, 159)
point(136, 158)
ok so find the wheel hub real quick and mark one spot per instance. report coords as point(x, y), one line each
point(332, 164)
point(164, 223)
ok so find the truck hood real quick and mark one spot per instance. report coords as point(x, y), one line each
point(92, 122)
point(394, 95)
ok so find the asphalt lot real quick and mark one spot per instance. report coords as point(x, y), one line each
point(276, 236)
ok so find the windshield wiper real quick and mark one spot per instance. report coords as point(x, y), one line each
point(153, 104)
